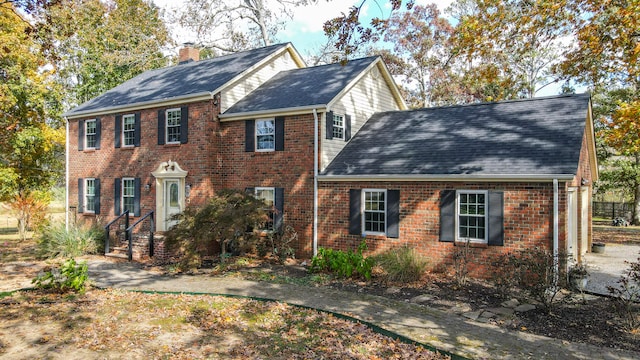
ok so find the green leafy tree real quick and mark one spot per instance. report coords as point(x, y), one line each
point(97, 45)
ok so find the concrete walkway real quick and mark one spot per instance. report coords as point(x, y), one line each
point(606, 268)
point(425, 325)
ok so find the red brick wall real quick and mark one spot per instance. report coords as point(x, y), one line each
point(528, 220)
point(109, 162)
point(291, 169)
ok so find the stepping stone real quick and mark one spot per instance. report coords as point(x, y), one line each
point(525, 308)
point(510, 303)
point(473, 315)
point(421, 298)
point(392, 291)
point(502, 311)
point(461, 308)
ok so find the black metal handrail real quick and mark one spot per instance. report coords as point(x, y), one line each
point(129, 234)
point(106, 229)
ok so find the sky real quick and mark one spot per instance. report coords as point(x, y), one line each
point(305, 29)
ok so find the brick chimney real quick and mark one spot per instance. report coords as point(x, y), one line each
point(188, 53)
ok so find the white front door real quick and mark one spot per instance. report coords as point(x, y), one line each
point(171, 201)
point(572, 224)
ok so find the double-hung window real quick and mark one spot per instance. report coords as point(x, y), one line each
point(128, 195)
point(89, 195)
point(471, 216)
point(267, 194)
point(338, 126)
point(375, 205)
point(265, 135)
point(172, 132)
point(128, 130)
point(90, 134)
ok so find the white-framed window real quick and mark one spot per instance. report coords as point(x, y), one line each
point(128, 195)
point(471, 215)
point(268, 195)
point(338, 126)
point(90, 134)
point(173, 126)
point(128, 130)
point(265, 135)
point(375, 211)
point(89, 195)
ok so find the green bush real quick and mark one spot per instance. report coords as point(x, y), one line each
point(402, 264)
point(55, 240)
point(345, 264)
point(71, 276)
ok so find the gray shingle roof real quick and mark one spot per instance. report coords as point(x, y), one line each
point(316, 85)
point(177, 81)
point(541, 136)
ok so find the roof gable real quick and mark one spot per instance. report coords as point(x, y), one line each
point(540, 137)
point(311, 86)
point(179, 81)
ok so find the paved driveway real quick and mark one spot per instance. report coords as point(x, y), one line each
point(605, 269)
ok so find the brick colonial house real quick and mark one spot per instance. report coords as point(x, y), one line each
point(339, 155)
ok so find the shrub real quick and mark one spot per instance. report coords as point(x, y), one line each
point(461, 257)
point(402, 264)
point(71, 276)
point(55, 240)
point(345, 264)
point(224, 219)
point(533, 270)
point(278, 243)
point(626, 297)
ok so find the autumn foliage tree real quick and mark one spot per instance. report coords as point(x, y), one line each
point(31, 138)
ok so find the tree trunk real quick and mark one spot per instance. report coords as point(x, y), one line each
point(635, 217)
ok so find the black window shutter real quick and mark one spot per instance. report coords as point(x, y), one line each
point(347, 127)
point(136, 130)
point(98, 132)
point(184, 124)
point(278, 217)
point(136, 197)
point(355, 214)
point(329, 125)
point(393, 213)
point(161, 125)
point(117, 185)
point(81, 195)
point(447, 215)
point(496, 218)
point(81, 135)
point(118, 132)
point(97, 197)
point(249, 135)
point(279, 133)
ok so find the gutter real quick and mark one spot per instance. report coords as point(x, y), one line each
point(556, 265)
point(282, 111)
point(455, 177)
point(316, 123)
point(66, 175)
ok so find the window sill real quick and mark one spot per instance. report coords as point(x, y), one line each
point(472, 244)
point(172, 144)
point(89, 150)
point(127, 147)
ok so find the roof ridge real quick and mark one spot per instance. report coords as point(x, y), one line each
point(484, 103)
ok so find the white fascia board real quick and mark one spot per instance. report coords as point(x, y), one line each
point(456, 178)
point(141, 105)
point(272, 112)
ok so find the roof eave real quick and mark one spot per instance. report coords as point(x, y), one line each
point(272, 112)
point(454, 177)
point(139, 106)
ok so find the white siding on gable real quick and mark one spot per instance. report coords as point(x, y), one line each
point(241, 88)
point(369, 95)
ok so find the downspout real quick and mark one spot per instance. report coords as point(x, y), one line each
point(556, 265)
point(66, 175)
point(316, 123)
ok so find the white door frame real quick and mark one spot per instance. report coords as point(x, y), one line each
point(166, 172)
point(584, 220)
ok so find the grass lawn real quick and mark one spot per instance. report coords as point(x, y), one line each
point(112, 324)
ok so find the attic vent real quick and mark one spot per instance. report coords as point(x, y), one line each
point(188, 53)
